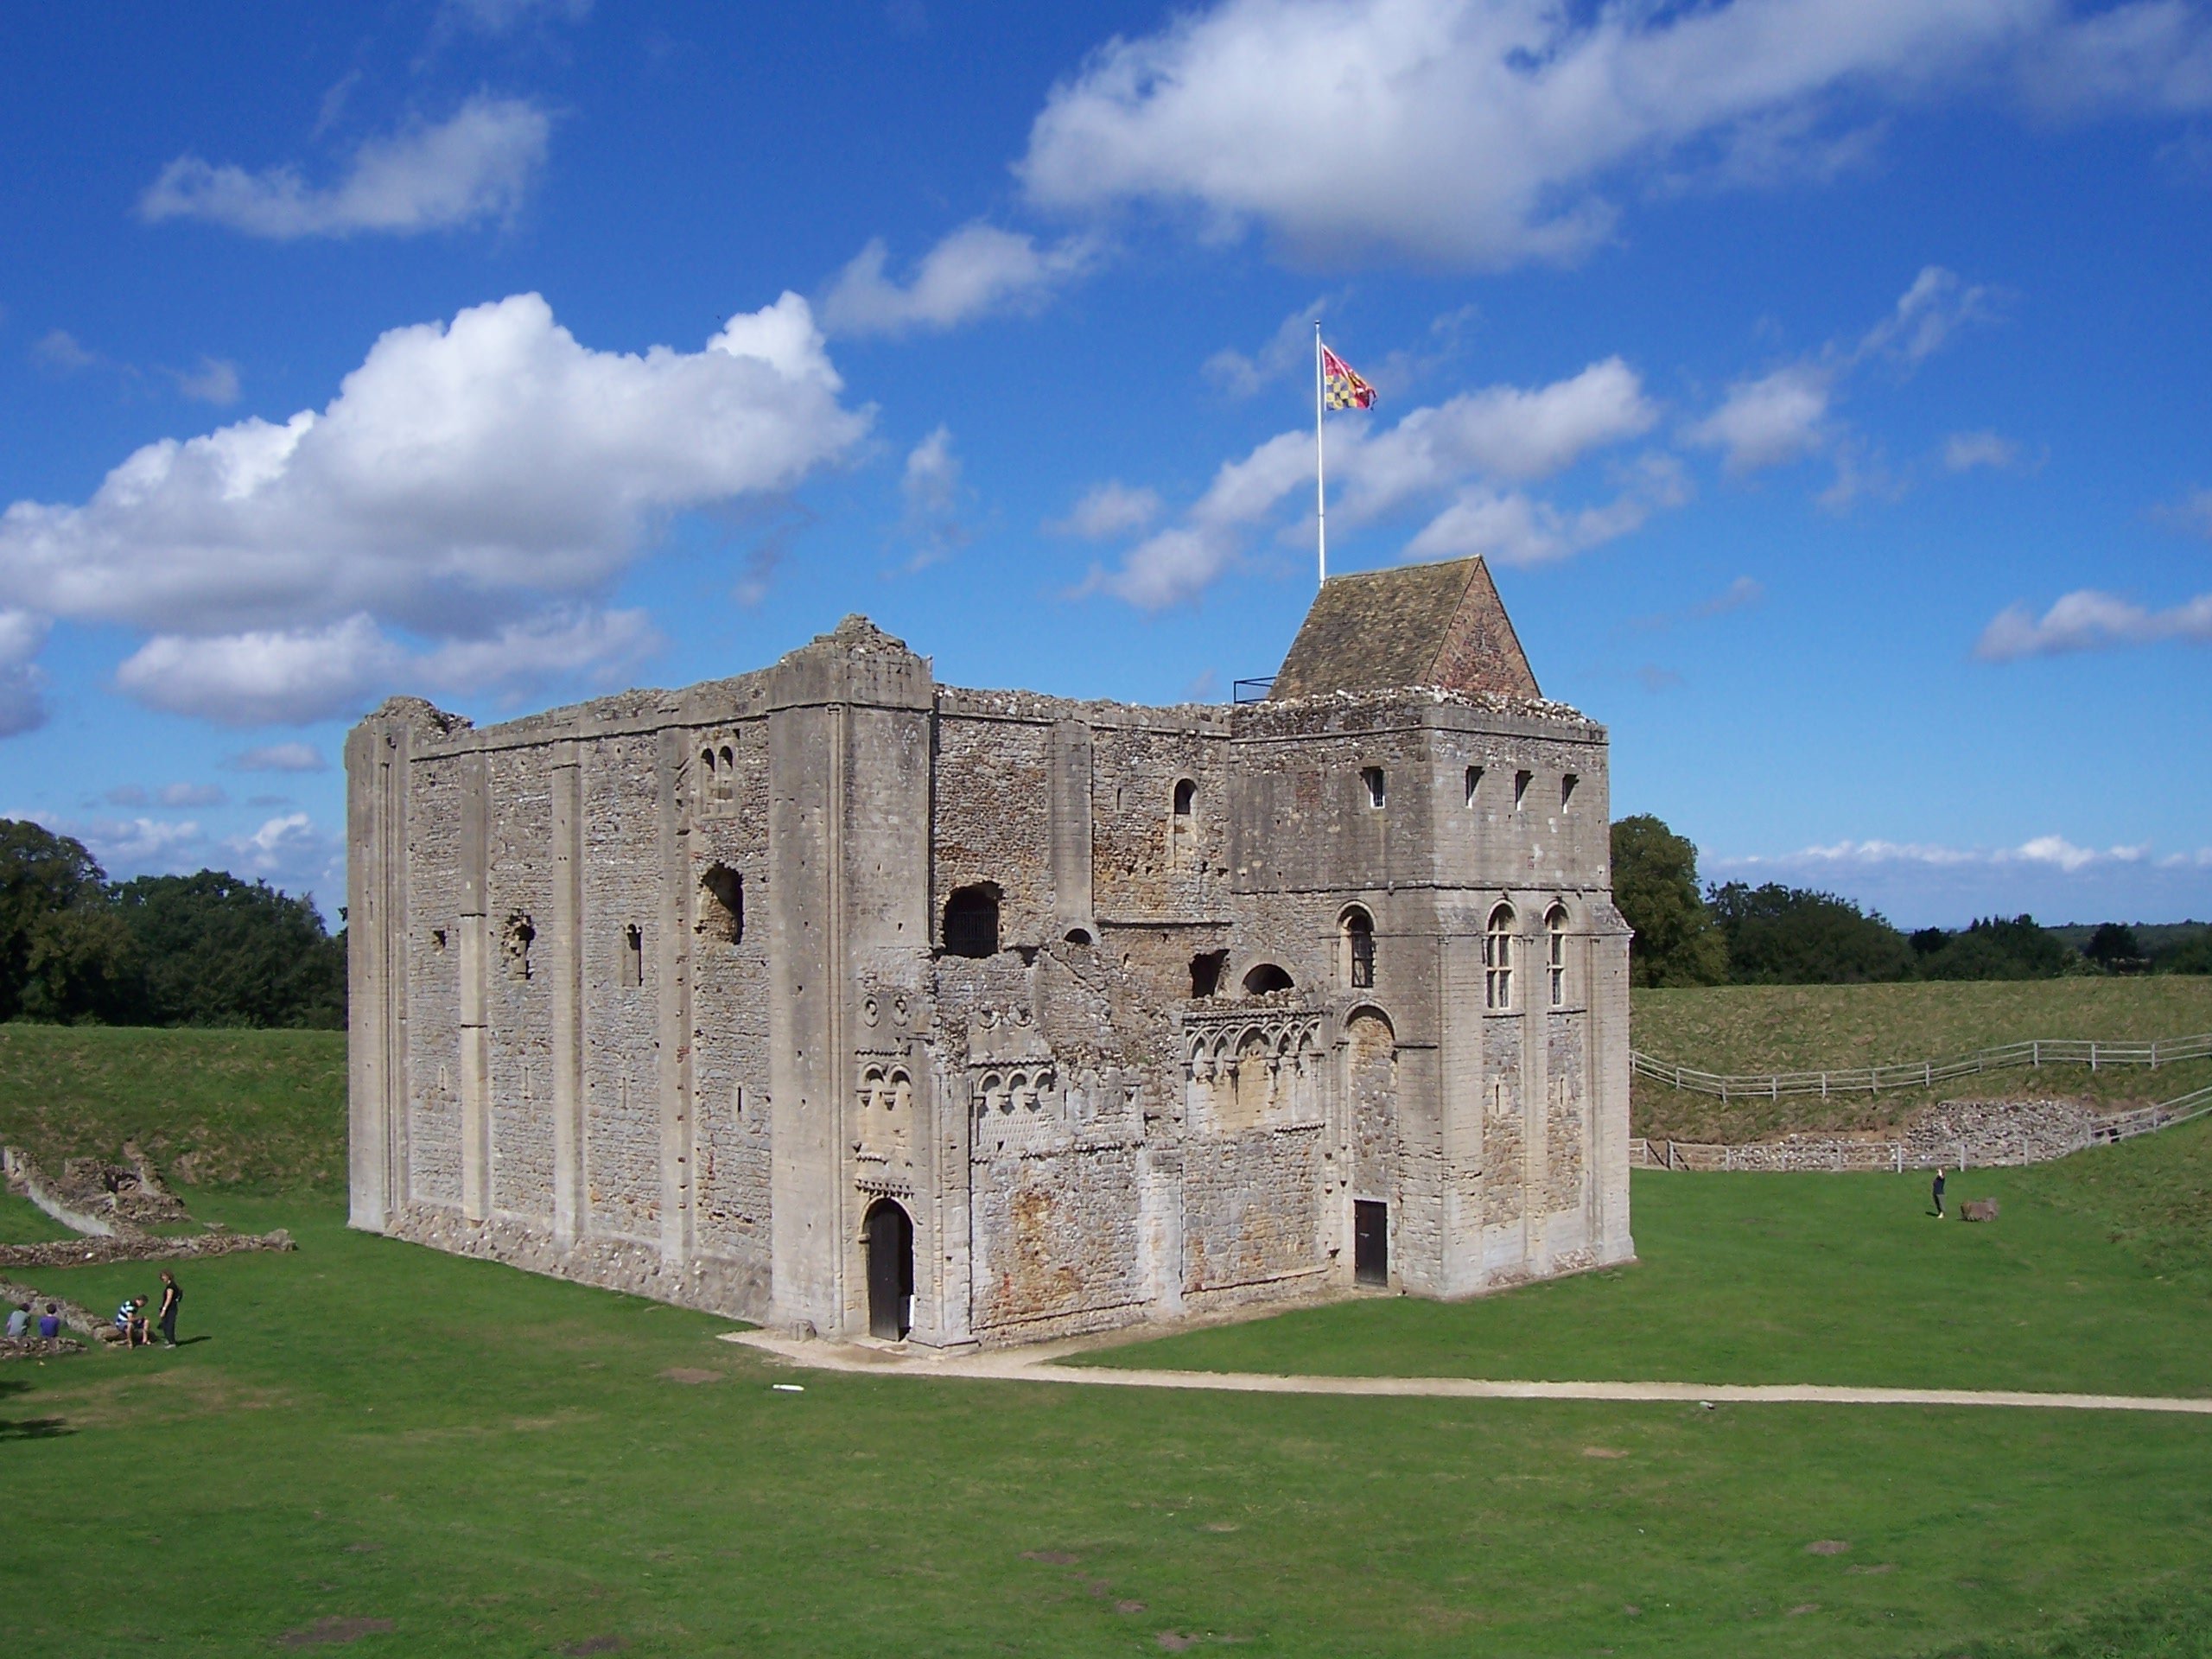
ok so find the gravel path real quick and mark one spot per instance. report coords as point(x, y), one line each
point(1038, 1365)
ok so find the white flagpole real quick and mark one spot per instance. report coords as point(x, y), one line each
point(1320, 486)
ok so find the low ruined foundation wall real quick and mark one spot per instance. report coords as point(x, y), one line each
point(1957, 1133)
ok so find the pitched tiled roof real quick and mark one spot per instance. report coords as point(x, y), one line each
point(1439, 624)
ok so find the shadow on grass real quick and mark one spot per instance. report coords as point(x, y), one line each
point(29, 1428)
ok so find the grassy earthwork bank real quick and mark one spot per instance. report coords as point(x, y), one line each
point(1749, 1029)
point(264, 1110)
point(370, 1443)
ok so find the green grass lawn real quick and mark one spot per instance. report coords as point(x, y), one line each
point(501, 1465)
point(1750, 1029)
point(22, 1221)
point(462, 1459)
point(262, 1108)
point(1839, 1278)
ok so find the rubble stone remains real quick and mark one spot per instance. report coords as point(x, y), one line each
point(836, 998)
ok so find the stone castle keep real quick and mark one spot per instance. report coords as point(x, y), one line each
point(831, 995)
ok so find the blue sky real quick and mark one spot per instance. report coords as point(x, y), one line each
point(1825, 380)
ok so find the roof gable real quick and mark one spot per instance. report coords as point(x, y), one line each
point(1437, 625)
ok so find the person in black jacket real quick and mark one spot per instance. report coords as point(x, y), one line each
point(1939, 1199)
point(172, 1299)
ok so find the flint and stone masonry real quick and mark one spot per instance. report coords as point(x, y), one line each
point(833, 997)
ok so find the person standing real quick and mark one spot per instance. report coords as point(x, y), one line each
point(172, 1299)
point(1939, 1194)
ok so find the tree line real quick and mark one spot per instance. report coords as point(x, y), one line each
point(1737, 934)
point(206, 950)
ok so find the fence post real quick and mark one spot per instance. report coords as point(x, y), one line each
point(2093, 1055)
point(1900, 1147)
point(1824, 1086)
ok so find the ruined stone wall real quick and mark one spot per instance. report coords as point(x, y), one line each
point(518, 1001)
point(434, 968)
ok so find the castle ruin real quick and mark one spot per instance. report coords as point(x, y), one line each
point(828, 995)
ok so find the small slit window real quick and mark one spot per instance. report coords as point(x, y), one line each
point(1359, 949)
point(725, 775)
point(1474, 783)
point(1567, 784)
point(1372, 779)
point(1497, 959)
point(1555, 953)
point(1187, 795)
point(1520, 781)
point(633, 956)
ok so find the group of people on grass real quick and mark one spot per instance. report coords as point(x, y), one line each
point(137, 1329)
point(49, 1323)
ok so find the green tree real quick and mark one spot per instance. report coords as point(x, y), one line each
point(1655, 886)
point(2001, 947)
point(2114, 948)
point(215, 949)
point(1786, 936)
point(44, 877)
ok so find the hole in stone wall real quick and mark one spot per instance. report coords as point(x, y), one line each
point(1187, 793)
point(1474, 783)
point(1264, 978)
point(1521, 787)
point(721, 905)
point(633, 956)
point(971, 921)
point(1206, 972)
point(1078, 935)
point(437, 939)
point(514, 944)
point(1372, 778)
point(1566, 790)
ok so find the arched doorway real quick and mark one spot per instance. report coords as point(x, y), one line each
point(890, 1235)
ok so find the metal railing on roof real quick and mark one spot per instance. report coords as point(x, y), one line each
point(1251, 690)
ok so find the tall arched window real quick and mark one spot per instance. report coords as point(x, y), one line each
point(1359, 949)
point(1183, 825)
point(1497, 959)
point(1555, 949)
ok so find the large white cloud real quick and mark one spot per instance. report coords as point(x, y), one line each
point(1465, 447)
point(1489, 132)
point(476, 166)
point(22, 700)
point(478, 483)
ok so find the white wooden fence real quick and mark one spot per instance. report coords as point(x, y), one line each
point(1925, 1074)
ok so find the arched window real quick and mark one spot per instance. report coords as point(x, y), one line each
point(1555, 947)
point(726, 776)
point(1358, 956)
point(1264, 978)
point(1183, 825)
point(1497, 959)
point(971, 921)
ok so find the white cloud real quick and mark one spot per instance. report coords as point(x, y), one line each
point(1466, 448)
point(1490, 132)
point(1964, 451)
point(476, 482)
point(1286, 351)
point(138, 844)
point(1739, 594)
point(215, 381)
point(2192, 512)
point(2150, 54)
point(22, 700)
point(503, 17)
point(127, 795)
point(1109, 509)
point(288, 851)
point(2087, 619)
point(930, 483)
point(598, 644)
point(1935, 306)
point(193, 795)
point(1762, 423)
point(476, 167)
point(2052, 851)
point(280, 757)
point(59, 351)
point(975, 270)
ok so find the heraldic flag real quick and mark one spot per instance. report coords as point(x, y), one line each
point(1346, 389)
